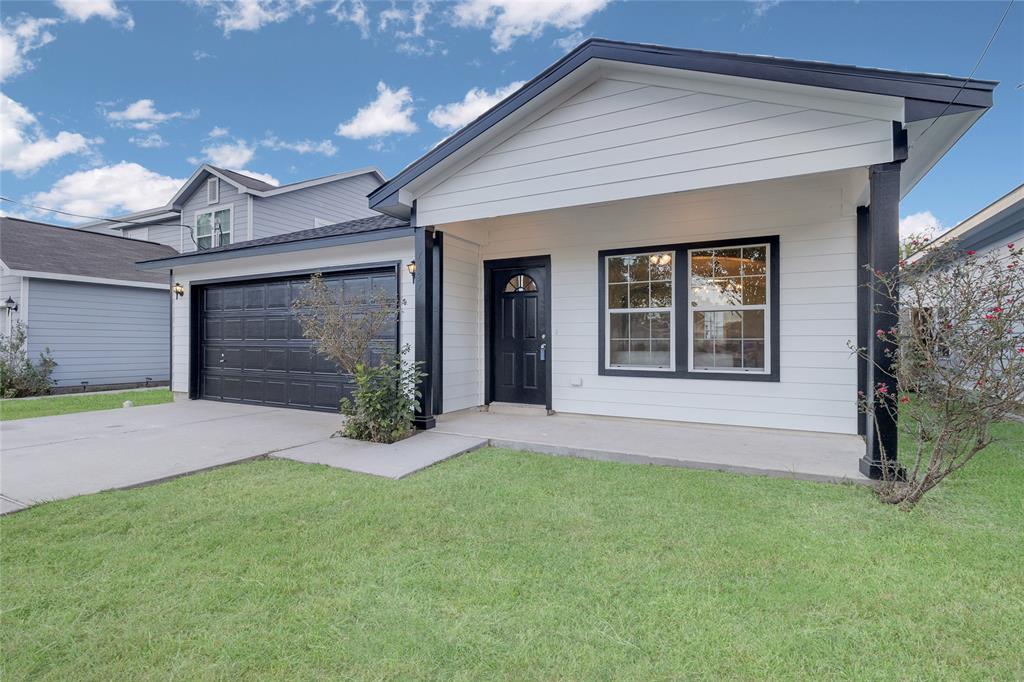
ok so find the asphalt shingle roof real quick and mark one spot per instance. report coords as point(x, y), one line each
point(39, 247)
point(245, 180)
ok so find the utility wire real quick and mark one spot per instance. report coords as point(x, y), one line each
point(76, 215)
point(973, 71)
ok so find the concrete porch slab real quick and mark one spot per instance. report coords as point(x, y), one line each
point(396, 460)
point(770, 452)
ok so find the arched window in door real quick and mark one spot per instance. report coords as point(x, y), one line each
point(520, 283)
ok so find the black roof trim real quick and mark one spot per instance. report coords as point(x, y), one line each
point(356, 231)
point(926, 94)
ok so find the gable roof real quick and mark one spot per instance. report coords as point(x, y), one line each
point(925, 96)
point(29, 246)
point(1000, 220)
point(245, 181)
point(351, 231)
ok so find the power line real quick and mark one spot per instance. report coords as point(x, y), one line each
point(76, 215)
point(973, 71)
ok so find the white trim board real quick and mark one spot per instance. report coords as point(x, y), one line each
point(33, 274)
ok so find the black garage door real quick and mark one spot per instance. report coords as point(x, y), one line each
point(251, 347)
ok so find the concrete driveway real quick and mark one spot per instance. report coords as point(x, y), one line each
point(52, 458)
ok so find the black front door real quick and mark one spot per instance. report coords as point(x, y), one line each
point(519, 347)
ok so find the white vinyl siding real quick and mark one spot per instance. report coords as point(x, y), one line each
point(620, 139)
point(818, 284)
point(399, 249)
point(463, 324)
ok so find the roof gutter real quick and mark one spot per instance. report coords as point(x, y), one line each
point(197, 257)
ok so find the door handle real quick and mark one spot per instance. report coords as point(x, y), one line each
point(221, 358)
point(543, 348)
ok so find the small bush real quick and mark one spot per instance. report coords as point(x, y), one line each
point(384, 401)
point(19, 376)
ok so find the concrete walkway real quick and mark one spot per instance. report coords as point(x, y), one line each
point(772, 452)
point(52, 458)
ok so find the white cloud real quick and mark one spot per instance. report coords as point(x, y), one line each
point(109, 190)
point(325, 147)
point(252, 15)
point(143, 115)
point(200, 55)
point(24, 145)
point(354, 12)
point(457, 114)
point(390, 113)
point(217, 131)
point(510, 20)
point(567, 43)
point(83, 10)
point(150, 141)
point(227, 155)
point(18, 37)
point(761, 7)
point(921, 223)
point(265, 177)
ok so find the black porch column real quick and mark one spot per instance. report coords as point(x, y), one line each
point(883, 242)
point(424, 286)
point(864, 331)
point(437, 323)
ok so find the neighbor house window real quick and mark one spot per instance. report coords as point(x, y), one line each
point(705, 310)
point(639, 311)
point(728, 294)
point(213, 228)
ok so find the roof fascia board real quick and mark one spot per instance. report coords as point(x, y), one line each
point(130, 219)
point(85, 279)
point(1008, 204)
point(271, 249)
point(927, 87)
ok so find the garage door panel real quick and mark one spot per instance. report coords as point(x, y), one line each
point(252, 348)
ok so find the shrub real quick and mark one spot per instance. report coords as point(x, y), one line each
point(349, 328)
point(19, 376)
point(957, 357)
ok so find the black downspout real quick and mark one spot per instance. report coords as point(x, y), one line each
point(863, 306)
point(424, 287)
point(883, 248)
point(170, 330)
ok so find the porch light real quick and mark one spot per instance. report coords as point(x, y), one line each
point(178, 290)
point(10, 305)
point(411, 267)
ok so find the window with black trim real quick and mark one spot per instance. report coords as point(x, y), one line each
point(704, 310)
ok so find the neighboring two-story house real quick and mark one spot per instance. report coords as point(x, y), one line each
point(217, 207)
point(106, 322)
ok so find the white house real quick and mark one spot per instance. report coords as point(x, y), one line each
point(639, 231)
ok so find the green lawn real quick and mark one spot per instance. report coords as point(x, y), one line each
point(506, 565)
point(66, 404)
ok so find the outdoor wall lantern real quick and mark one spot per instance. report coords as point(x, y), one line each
point(411, 267)
point(10, 305)
point(178, 290)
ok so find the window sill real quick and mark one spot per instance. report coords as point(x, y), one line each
point(685, 374)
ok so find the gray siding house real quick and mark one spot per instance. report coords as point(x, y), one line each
point(217, 207)
point(80, 295)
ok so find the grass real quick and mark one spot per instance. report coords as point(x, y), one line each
point(26, 408)
point(507, 565)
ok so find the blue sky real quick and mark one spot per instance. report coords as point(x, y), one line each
point(107, 107)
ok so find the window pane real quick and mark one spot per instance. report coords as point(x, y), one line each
point(728, 354)
point(660, 265)
point(638, 271)
point(701, 264)
point(755, 260)
point(619, 326)
point(699, 331)
point(203, 224)
point(753, 354)
point(732, 325)
point(661, 325)
point(204, 242)
point(616, 269)
point(639, 295)
point(703, 354)
point(727, 262)
point(753, 324)
point(755, 291)
point(661, 294)
point(618, 296)
point(619, 353)
point(639, 326)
